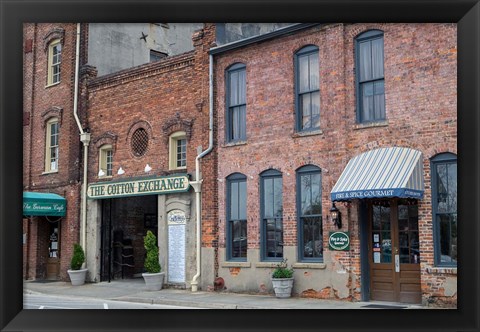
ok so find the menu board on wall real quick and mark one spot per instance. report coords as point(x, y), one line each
point(176, 246)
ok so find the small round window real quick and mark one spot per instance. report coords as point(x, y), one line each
point(139, 142)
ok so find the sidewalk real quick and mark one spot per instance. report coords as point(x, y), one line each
point(133, 290)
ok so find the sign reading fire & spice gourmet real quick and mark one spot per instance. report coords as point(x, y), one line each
point(150, 186)
point(339, 241)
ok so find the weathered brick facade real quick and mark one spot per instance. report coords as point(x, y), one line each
point(420, 92)
point(40, 103)
point(162, 97)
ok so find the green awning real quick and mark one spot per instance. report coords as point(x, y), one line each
point(43, 204)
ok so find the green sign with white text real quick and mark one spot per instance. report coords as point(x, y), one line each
point(339, 241)
point(151, 186)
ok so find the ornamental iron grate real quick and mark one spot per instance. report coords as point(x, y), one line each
point(139, 142)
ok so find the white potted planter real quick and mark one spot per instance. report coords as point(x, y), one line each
point(154, 281)
point(77, 277)
point(76, 273)
point(282, 280)
point(153, 276)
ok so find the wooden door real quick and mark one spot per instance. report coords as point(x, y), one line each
point(394, 256)
point(53, 259)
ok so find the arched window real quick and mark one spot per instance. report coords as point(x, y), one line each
point(309, 213)
point(54, 62)
point(51, 145)
point(236, 217)
point(178, 150)
point(105, 160)
point(370, 82)
point(236, 101)
point(271, 211)
point(307, 88)
point(444, 208)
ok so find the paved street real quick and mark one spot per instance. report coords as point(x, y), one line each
point(42, 301)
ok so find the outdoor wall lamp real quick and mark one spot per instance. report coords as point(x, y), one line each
point(336, 216)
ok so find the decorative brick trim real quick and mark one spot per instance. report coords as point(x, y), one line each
point(168, 64)
point(177, 124)
point(137, 125)
point(56, 33)
point(52, 112)
point(106, 138)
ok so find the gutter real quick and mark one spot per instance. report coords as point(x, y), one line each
point(85, 139)
point(197, 184)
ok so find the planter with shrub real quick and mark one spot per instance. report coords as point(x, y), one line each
point(282, 280)
point(76, 273)
point(153, 276)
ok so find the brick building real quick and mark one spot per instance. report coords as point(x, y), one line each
point(359, 118)
point(53, 152)
point(148, 125)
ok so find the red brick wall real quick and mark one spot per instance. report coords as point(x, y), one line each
point(420, 83)
point(38, 100)
point(159, 95)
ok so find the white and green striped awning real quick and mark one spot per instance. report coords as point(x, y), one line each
point(384, 172)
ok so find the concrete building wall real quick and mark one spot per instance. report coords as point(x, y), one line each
point(420, 81)
point(116, 46)
point(231, 32)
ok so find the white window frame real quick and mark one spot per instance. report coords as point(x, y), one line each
point(103, 160)
point(48, 145)
point(173, 154)
point(51, 80)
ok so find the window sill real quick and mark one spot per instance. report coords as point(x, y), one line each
point(442, 270)
point(226, 145)
point(267, 264)
point(236, 264)
point(307, 133)
point(50, 172)
point(50, 85)
point(106, 177)
point(382, 123)
point(171, 170)
point(309, 266)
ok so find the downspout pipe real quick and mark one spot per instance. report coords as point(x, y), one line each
point(197, 184)
point(85, 139)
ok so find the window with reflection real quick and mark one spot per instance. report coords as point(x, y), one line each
point(236, 103)
point(237, 217)
point(370, 76)
point(271, 214)
point(309, 213)
point(307, 74)
point(444, 205)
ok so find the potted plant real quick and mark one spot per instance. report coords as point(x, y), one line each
point(76, 273)
point(153, 276)
point(282, 280)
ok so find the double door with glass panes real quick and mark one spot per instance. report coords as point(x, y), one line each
point(394, 255)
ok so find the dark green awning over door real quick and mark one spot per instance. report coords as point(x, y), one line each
point(43, 204)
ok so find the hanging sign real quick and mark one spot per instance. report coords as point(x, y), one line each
point(151, 186)
point(339, 241)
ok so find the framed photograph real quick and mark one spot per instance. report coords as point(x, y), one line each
point(379, 242)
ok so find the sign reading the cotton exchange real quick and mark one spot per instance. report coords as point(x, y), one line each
point(339, 241)
point(150, 186)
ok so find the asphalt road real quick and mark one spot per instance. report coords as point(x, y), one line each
point(41, 301)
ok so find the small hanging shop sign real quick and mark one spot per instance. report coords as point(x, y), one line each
point(339, 241)
point(150, 186)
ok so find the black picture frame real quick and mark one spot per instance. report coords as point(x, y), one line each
point(14, 13)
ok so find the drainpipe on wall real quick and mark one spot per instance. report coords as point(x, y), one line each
point(85, 139)
point(197, 184)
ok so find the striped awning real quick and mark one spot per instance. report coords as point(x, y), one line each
point(384, 172)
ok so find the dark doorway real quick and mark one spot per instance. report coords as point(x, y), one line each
point(125, 222)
